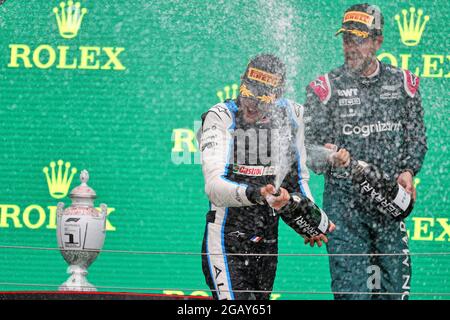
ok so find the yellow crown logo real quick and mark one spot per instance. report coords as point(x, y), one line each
point(59, 183)
point(226, 93)
point(69, 19)
point(411, 32)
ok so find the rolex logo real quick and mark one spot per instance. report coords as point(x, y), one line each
point(58, 181)
point(228, 92)
point(69, 18)
point(411, 31)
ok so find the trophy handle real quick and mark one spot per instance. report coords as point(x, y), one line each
point(59, 215)
point(104, 212)
point(59, 211)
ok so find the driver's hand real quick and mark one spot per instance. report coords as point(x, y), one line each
point(338, 158)
point(318, 239)
point(406, 181)
point(277, 203)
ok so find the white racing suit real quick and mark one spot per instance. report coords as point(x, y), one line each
point(238, 222)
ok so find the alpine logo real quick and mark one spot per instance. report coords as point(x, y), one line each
point(217, 272)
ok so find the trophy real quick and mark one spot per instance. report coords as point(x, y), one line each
point(81, 234)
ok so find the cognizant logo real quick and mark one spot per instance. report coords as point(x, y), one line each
point(366, 130)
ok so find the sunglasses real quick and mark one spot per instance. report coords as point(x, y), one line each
point(248, 95)
point(355, 37)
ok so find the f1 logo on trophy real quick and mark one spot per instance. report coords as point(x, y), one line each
point(80, 234)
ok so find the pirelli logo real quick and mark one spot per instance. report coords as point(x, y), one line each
point(264, 77)
point(358, 16)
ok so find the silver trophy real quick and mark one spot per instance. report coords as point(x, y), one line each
point(81, 234)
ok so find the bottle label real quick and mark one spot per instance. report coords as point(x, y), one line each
point(403, 198)
point(323, 225)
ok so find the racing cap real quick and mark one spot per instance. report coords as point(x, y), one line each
point(363, 20)
point(264, 78)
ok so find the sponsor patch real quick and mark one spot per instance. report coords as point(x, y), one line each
point(237, 234)
point(347, 92)
point(256, 239)
point(367, 129)
point(254, 170)
point(349, 102)
point(350, 113)
point(411, 83)
point(209, 145)
point(321, 88)
point(263, 77)
point(358, 16)
point(390, 96)
point(391, 87)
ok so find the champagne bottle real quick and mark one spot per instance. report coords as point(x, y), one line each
point(379, 189)
point(304, 216)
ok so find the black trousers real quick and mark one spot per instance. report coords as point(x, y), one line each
point(238, 277)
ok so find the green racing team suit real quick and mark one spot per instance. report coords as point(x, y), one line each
point(379, 120)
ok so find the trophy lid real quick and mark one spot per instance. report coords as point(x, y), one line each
point(83, 190)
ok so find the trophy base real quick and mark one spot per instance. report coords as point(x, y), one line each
point(77, 281)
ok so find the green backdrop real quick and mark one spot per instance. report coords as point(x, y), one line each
point(123, 94)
